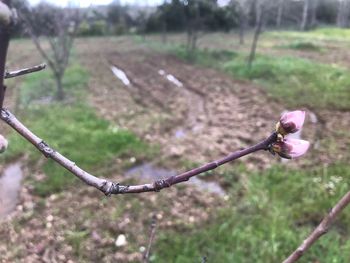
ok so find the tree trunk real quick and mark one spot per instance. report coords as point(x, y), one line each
point(60, 93)
point(242, 24)
point(279, 13)
point(259, 22)
point(313, 21)
point(164, 33)
point(304, 19)
point(189, 38)
point(343, 13)
point(194, 41)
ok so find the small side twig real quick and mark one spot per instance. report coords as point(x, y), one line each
point(320, 230)
point(109, 187)
point(24, 71)
point(147, 254)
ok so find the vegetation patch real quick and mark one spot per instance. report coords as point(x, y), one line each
point(302, 45)
point(268, 219)
point(206, 57)
point(327, 34)
point(297, 81)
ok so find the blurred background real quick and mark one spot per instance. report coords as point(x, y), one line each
point(141, 90)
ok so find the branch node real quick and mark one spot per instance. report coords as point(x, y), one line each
point(6, 115)
point(160, 184)
point(114, 188)
point(45, 149)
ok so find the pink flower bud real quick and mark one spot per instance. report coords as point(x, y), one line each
point(290, 148)
point(290, 122)
point(3, 144)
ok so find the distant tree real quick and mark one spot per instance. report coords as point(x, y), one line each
point(58, 27)
point(304, 18)
point(162, 11)
point(118, 17)
point(199, 16)
point(280, 8)
point(243, 8)
point(260, 8)
point(343, 13)
point(192, 16)
point(141, 22)
point(314, 7)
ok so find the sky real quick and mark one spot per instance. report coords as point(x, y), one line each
point(86, 3)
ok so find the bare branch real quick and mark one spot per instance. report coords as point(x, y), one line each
point(151, 238)
point(320, 230)
point(109, 187)
point(5, 28)
point(24, 71)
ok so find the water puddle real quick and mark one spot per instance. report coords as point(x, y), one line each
point(10, 184)
point(120, 75)
point(171, 78)
point(147, 172)
point(180, 133)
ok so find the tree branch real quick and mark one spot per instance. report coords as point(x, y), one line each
point(24, 71)
point(109, 187)
point(4, 43)
point(320, 230)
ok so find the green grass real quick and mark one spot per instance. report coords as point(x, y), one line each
point(71, 128)
point(296, 81)
point(76, 239)
point(302, 45)
point(41, 85)
point(268, 219)
point(204, 57)
point(324, 34)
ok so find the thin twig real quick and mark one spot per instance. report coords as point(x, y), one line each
point(320, 230)
point(109, 187)
point(24, 71)
point(147, 254)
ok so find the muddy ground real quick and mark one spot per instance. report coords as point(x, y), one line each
point(213, 113)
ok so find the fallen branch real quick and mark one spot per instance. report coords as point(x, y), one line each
point(147, 254)
point(109, 187)
point(24, 71)
point(320, 230)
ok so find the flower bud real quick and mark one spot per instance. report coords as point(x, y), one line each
point(290, 148)
point(3, 144)
point(290, 122)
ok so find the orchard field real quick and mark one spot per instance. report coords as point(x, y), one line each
point(174, 113)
